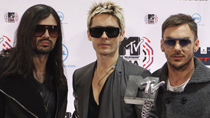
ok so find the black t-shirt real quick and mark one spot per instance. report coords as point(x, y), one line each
point(93, 109)
point(49, 99)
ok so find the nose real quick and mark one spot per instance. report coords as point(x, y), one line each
point(177, 46)
point(104, 36)
point(46, 34)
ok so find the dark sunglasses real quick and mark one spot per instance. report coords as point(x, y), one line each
point(111, 32)
point(172, 42)
point(41, 29)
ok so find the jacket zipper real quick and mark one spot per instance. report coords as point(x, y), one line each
point(57, 104)
point(18, 103)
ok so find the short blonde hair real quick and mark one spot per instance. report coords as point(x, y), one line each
point(107, 8)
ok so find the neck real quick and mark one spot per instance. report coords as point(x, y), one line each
point(106, 62)
point(40, 62)
point(178, 77)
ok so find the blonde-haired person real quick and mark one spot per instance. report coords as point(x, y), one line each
point(99, 87)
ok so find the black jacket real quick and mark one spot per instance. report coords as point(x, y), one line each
point(19, 98)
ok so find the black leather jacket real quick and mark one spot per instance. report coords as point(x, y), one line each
point(19, 98)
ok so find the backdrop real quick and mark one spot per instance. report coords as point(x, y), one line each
point(143, 19)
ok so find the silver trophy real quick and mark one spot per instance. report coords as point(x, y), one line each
point(141, 91)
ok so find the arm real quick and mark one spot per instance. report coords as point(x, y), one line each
point(138, 108)
point(152, 112)
point(75, 113)
point(2, 104)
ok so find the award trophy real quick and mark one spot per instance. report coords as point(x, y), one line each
point(141, 91)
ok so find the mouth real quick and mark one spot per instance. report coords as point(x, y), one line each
point(177, 57)
point(45, 43)
point(104, 44)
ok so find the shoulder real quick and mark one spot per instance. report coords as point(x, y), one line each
point(84, 73)
point(11, 82)
point(202, 72)
point(156, 73)
point(2, 59)
point(84, 68)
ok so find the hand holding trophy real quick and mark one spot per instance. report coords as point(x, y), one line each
point(143, 92)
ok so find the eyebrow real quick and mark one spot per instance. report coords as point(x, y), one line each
point(170, 38)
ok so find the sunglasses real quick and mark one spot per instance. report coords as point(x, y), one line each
point(41, 29)
point(111, 32)
point(170, 43)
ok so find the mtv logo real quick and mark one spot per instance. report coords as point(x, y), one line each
point(151, 18)
point(11, 17)
point(132, 44)
point(140, 89)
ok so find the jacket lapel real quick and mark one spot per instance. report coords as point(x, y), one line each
point(110, 105)
point(84, 91)
point(117, 89)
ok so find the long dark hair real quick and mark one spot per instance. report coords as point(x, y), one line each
point(20, 61)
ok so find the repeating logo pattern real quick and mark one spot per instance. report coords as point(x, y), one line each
point(11, 17)
point(61, 15)
point(5, 42)
point(197, 17)
point(203, 54)
point(151, 19)
point(65, 52)
point(137, 50)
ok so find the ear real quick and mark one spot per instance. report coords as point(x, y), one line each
point(122, 36)
point(89, 37)
point(196, 45)
point(161, 45)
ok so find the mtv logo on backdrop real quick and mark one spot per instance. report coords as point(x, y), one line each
point(203, 54)
point(137, 50)
point(5, 42)
point(11, 17)
point(151, 19)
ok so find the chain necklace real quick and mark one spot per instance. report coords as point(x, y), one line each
point(46, 106)
point(99, 79)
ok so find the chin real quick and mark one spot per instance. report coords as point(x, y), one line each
point(41, 51)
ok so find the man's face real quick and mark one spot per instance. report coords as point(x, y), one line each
point(180, 54)
point(45, 43)
point(105, 45)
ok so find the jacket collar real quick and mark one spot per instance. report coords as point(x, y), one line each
point(201, 73)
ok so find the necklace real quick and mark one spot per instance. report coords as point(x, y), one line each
point(99, 79)
point(46, 106)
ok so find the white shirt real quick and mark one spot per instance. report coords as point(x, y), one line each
point(179, 88)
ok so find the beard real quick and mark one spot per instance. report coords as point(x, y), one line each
point(43, 49)
point(180, 67)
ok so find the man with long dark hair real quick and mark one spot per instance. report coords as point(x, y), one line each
point(32, 82)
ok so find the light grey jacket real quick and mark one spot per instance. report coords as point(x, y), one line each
point(193, 102)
